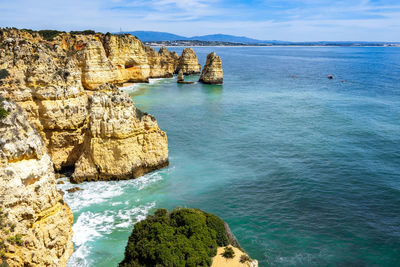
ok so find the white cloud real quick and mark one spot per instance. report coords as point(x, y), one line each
point(298, 21)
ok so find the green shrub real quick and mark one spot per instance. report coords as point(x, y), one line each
point(49, 35)
point(184, 237)
point(85, 32)
point(18, 239)
point(3, 113)
point(4, 74)
point(228, 253)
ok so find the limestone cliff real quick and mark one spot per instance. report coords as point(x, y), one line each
point(58, 84)
point(35, 228)
point(212, 71)
point(122, 142)
point(188, 62)
point(163, 63)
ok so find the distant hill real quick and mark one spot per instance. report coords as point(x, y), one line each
point(169, 39)
point(148, 36)
point(225, 38)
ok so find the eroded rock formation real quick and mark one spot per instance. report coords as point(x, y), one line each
point(180, 77)
point(35, 224)
point(121, 142)
point(59, 83)
point(188, 62)
point(212, 71)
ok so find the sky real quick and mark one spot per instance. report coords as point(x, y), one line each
point(287, 20)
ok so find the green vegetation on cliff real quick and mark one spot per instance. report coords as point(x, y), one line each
point(49, 35)
point(4, 74)
point(184, 237)
point(3, 112)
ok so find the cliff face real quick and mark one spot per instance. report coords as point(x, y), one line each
point(35, 222)
point(188, 62)
point(212, 71)
point(59, 83)
point(121, 142)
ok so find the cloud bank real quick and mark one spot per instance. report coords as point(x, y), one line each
point(291, 20)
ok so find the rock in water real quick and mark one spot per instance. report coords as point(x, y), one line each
point(73, 189)
point(212, 71)
point(188, 63)
point(36, 224)
point(181, 77)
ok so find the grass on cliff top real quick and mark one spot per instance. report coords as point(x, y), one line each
point(184, 237)
point(3, 112)
point(49, 35)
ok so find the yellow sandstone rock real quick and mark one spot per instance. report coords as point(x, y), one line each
point(212, 71)
point(188, 62)
point(58, 83)
point(220, 261)
point(36, 223)
point(122, 142)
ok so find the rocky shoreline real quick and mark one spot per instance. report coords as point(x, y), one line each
point(61, 109)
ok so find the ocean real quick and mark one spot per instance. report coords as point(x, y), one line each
point(305, 169)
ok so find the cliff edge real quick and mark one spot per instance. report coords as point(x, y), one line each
point(36, 224)
point(67, 85)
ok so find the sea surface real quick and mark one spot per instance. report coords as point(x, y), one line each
point(306, 170)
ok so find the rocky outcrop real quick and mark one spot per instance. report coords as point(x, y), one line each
point(46, 83)
point(121, 142)
point(58, 84)
point(183, 237)
point(188, 63)
point(180, 77)
point(163, 63)
point(212, 71)
point(36, 224)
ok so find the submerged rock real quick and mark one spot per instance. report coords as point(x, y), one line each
point(183, 237)
point(73, 189)
point(212, 72)
point(188, 63)
point(36, 224)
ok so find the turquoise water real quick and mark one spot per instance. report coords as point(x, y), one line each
point(305, 170)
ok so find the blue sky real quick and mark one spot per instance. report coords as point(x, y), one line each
point(292, 20)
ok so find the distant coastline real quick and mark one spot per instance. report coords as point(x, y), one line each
point(196, 43)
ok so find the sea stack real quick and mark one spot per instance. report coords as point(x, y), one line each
point(212, 72)
point(181, 77)
point(188, 63)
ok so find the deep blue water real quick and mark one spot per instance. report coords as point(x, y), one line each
point(305, 170)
